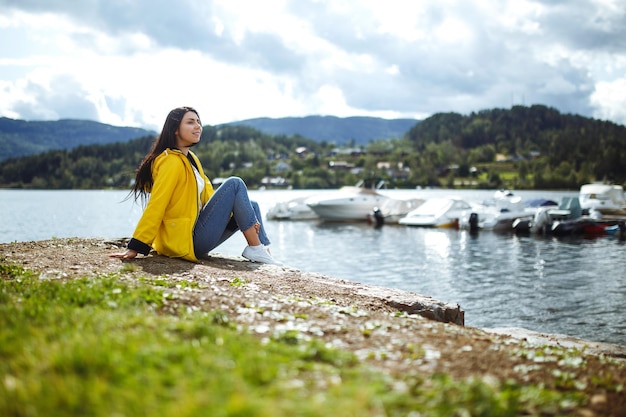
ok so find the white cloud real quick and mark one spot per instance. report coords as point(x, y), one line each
point(609, 99)
point(128, 64)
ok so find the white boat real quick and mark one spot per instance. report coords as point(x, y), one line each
point(295, 209)
point(437, 212)
point(603, 198)
point(497, 214)
point(393, 209)
point(349, 203)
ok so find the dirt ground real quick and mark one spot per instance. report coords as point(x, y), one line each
point(370, 321)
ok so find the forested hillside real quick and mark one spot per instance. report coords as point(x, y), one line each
point(556, 150)
point(227, 150)
point(21, 138)
point(523, 148)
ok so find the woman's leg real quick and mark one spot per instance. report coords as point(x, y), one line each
point(262, 234)
point(215, 223)
point(230, 230)
point(232, 227)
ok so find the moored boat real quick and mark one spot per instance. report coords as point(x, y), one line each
point(497, 213)
point(437, 212)
point(603, 198)
point(393, 209)
point(349, 203)
point(295, 209)
point(567, 219)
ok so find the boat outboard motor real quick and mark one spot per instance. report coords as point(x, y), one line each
point(541, 222)
point(378, 217)
point(622, 230)
point(473, 222)
point(521, 226)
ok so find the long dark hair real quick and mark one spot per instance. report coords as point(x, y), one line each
point(166, 139)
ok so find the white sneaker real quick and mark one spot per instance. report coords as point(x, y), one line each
point(259, 254)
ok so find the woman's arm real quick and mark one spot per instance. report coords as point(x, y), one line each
point(165, 174)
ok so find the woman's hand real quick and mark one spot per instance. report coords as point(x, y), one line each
point(129, 254)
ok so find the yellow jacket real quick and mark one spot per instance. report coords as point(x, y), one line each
point(168, 220)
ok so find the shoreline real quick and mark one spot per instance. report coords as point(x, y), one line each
point(384, 329)
point(72, 257)
point(69, 257)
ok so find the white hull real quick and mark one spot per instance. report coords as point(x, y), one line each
point(495, 221)
point(437, 212)
point(347, 204)
point(393, 209)
point(343, 212)
point(431, 221)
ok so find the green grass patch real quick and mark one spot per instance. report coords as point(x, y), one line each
point(103, 347)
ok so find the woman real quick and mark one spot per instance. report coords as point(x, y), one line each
point(184, 217)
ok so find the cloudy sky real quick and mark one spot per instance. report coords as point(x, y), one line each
point(128, 62)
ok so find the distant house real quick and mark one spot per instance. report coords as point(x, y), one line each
point(340, 165)
point(282, 166)
point(398, 172)
point(302, 151)
point(353, 152)
point(233, 165)
point(503, 158)
point(275, 182)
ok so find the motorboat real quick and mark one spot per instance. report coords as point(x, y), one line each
point(496, 214)
point(565, 220)
point(294, 209)
point(547, 217)
point(393, 209)
point(437, 212)
point(349, 203)
point(603, 198)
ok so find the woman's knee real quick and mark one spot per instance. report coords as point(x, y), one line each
point(235, 180)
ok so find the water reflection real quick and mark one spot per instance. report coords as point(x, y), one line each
point(501, 280)
point(572, 286)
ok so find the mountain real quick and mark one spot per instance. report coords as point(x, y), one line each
point(333, 129)
point(22, 138)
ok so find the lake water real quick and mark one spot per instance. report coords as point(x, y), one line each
point(572, 286)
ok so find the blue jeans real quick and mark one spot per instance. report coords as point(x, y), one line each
point(228, 210)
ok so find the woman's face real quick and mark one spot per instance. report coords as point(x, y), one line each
point(189, 131)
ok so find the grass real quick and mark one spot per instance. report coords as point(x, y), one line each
point(103, 347)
